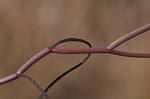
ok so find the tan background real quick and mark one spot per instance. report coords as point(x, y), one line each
point(28, 26)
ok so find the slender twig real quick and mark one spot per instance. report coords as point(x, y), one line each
point(8, 78)
point(129, 36)
point(109, 49)
point(27, 65)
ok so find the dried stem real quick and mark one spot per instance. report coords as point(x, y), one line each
point(34, 83)
point(109, 49)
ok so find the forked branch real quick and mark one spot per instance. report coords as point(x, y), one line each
point(110, 49)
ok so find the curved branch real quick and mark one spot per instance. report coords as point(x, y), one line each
point(71, 69)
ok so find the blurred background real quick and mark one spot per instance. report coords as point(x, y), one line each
point(29, 26)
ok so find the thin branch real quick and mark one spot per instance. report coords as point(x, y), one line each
point(79, 50)
point(33, 60)
point(99, 50)
point(109, 49)
point(25, 67)
point(129, 36)
point(129, 54)
point(8, 78)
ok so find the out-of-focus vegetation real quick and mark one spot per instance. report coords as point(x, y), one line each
point(28, 26)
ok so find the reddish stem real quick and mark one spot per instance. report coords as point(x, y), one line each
point(109, 49)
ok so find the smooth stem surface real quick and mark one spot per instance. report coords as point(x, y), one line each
point(109, 49)
point(129, 36)
point(33, 60)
